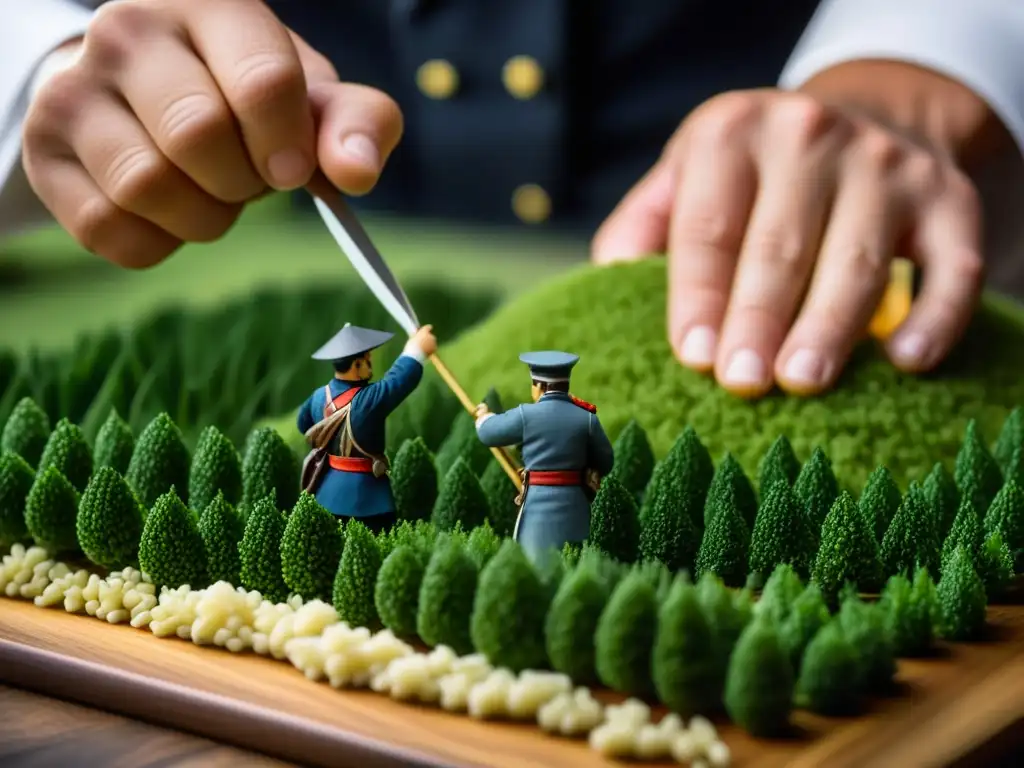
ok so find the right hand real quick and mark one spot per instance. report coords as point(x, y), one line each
point(178, 112)
point(424, 339)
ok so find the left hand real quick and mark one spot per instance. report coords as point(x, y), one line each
point(762, 197)
point(481, 410)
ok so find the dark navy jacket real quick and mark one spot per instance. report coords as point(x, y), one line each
point(619, 76)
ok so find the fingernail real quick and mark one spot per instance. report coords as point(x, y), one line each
point(289, 169)
point(806, 366)
point(698, 348)
point(746, 367)
point(361, 149)
point(910, 348)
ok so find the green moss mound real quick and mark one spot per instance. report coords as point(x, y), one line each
point(614, 318)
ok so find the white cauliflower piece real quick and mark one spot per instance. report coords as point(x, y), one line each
point(532, 690)
point(489, 697)
point(718, 755)
point(307, 655)
point(654, 741)
point(571, 714)
point(313, 617)
point(614, 738)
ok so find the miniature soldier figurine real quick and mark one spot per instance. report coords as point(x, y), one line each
point(562, 441)
point(344, 423)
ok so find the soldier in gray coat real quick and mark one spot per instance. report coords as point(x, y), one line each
point(562, 441)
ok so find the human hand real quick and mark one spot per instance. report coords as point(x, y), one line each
point(424, 339)
point(763, 197)
point(481, 410)
point(178, 112)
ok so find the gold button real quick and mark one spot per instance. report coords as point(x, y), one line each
point(523, 77)
point(531, 204)
point(437, 79)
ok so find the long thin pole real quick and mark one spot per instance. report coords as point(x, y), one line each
point(500, 454)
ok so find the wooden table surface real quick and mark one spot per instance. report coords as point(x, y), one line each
point(950, 707)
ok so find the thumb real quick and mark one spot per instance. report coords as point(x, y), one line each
point(638, 226)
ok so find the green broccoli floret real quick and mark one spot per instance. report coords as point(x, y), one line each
point(634, 458)
point(216, 468)
point(115, 444)
point(941, 493)
point(817, 489)
point(995, 566)
point(962, 599)
point(462, 443)
point(781, 534)
point(684, 658)
point(419, 534)
point(683, 478)
point(501, 493)
point(1008, 448)
point(16, 479)
point(414, 480)
point(780, 592)
point(222, 529)
point(483, 544)
point(310, 550)
point(848, 551)
point(910, 611)
point(828, 674)
point(728, 611)
point(446, 596)
point(109, 522)
point(1006, 515)
point(977, 475)
point(509, 611)
point(68, 451)
point(759, 685)
point(725, 545)
point(357, 577)
point(50, 511)
point(160, 461)
point(626, 631)
point(570, 554)
point(880, 501)
point(667, 531)
point(171, 551)
point(807, 615)
point(259, 551)
point(269, 467)
point(615, 521)
point(397, 592)
point(729, 478)
point(461, 499)
point(778, 463)
point(26, 431)
point(912, 538)
point(865, 628)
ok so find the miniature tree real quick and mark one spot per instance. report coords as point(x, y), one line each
point(1008, 447)
point(509, 610)
point(667, 532)
point(912, 538)
point(728, 611)
point(26, 431)
point(397, 592)
point(615, 521)
point(625, 634)
point(977, 473)
point(848, 551)
point(356, 578)
point(446, 596)
point(726, 543)
point(160, 461)
point(778, 463)
point(311, 549)
point(114, 445)
point(259, 551)
point(961, 597)
point(269, 466)
point(222, 529)
point(995, 566)
point(483, 544)
point(414, 480)
point(817, 489)
point(109, 521)
point(910, 611)
point(462, 443)
point(780, 593)
point(68, 451)
point(683, 477)
point(966, 531)
point(1006, 515)
point(828, 673)
point(880, 501)
point(807, 615)
point(16, 479)
point(941, 493)
point(216, 468)
point(570, 555)
point(730, 479)
point(781, 534)
point(171, 550)
point(634, 458)
point(759, 685)
point(501, 493)
point(50, 511)
point(864, 626)
point(461, 499)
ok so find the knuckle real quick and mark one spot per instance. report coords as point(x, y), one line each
point(922, 171)
point(881, 150)
point(969, 265)
point(192, 120)
point(862, 261)
point(114, 31)
point(964, 194)
point(709, 229)
point(264, 79)
point(213, 227)
point(778, 247)
point(95, 223)
point(57, 102)
point(805, 119)
point(724, 118)
point(135, 174)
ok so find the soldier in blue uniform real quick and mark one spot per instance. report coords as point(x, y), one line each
point(347, 418)
point(562, 443)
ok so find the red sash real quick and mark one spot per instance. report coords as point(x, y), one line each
point(339, 402)
point(554, 477)
point(583, 404)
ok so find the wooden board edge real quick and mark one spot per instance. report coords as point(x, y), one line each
point(213, 716)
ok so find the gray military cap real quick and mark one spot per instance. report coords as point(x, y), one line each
point(352, 340)
point(549, 366)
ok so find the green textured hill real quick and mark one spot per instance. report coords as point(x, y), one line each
point(614, 318)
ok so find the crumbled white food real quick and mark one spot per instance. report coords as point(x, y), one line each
point(718, 755)
point(654, 741)
point(614, 738)
point(489, 697)
point(466, 671)
point(571, 714)
point(700, 746)
point(532, 690)
point(175, 613)
point(409, 678)
point(25, 572)
point(703, 731)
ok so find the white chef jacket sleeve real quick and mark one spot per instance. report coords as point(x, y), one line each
point(29, 33)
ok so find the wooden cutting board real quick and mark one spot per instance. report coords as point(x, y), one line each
point(969, 696)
